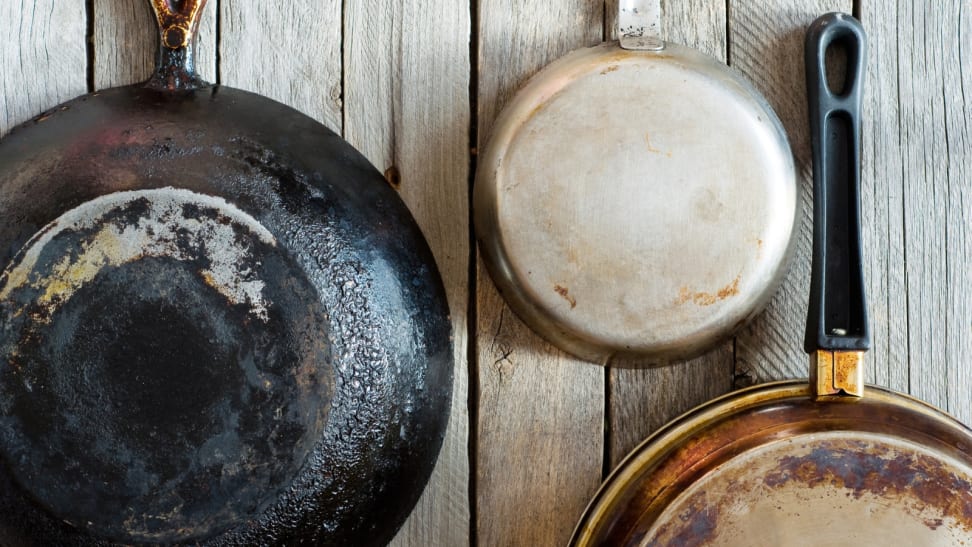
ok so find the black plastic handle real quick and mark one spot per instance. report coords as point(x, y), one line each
point(837, 315)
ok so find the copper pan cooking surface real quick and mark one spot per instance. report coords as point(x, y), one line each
point(772, 466)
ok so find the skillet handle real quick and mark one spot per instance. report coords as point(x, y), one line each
point(837, 314)
point(639, 25)
point(178, 25)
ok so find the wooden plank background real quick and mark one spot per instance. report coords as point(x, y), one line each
point(416, 85)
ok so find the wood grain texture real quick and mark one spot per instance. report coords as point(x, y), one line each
point(288, 51)
point(766, 46)
point(957, 95)
point(407, 109)
point(642, 400)
point(126, 37)
point(540, 432)
point(926, 184)
point(882, 202)
point(933, 69)
point(43, 61)
point(541, 413)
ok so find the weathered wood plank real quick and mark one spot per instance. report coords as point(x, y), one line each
point(932, 71)
point(288, 51)
point(641, 401)
point(43, 60)
point(882, 202)
point(926, 182)
point(540, 433)
point(407, 109)
point(541, 413)
point(955, 34)
point(126, 39)
point(766, 46)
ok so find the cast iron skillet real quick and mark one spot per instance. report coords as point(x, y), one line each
point(829, 463)
point(218, 324)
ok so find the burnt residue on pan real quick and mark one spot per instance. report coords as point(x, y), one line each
point(350, 301)
point(172, 373)
point(861, 468)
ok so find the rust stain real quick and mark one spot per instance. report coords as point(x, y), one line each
point(862, 469)
point(705, 298)
point(617, 56)
point(609, 69)
point(565, 294)
point(729, 290)
point(654, 150)
point(309, 379)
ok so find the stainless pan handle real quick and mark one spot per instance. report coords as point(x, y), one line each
point(639, 25)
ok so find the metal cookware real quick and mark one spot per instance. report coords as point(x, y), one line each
point(829, 463)
point(218, 324)
point(636, 199)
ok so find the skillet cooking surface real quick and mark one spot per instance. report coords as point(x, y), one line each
point(216, 332)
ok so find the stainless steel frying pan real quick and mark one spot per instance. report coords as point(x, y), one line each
point(636, 198)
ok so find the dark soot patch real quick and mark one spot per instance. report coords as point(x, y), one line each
point(150, 408)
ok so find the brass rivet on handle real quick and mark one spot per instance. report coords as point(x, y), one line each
point(175, 37)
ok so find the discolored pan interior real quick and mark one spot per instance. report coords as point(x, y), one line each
point(636, 203)
point(770, 466)
point(218, 325)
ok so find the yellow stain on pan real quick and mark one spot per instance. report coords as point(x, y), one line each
point(162, 230)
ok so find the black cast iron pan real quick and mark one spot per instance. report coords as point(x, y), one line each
point(218, 324)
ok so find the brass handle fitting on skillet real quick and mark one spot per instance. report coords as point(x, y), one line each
point(178, 25)
point(837, 327)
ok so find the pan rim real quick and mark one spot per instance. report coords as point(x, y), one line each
point(661, 444)
point(571, 330)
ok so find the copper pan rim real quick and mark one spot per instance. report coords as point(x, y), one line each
point(690, 447)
